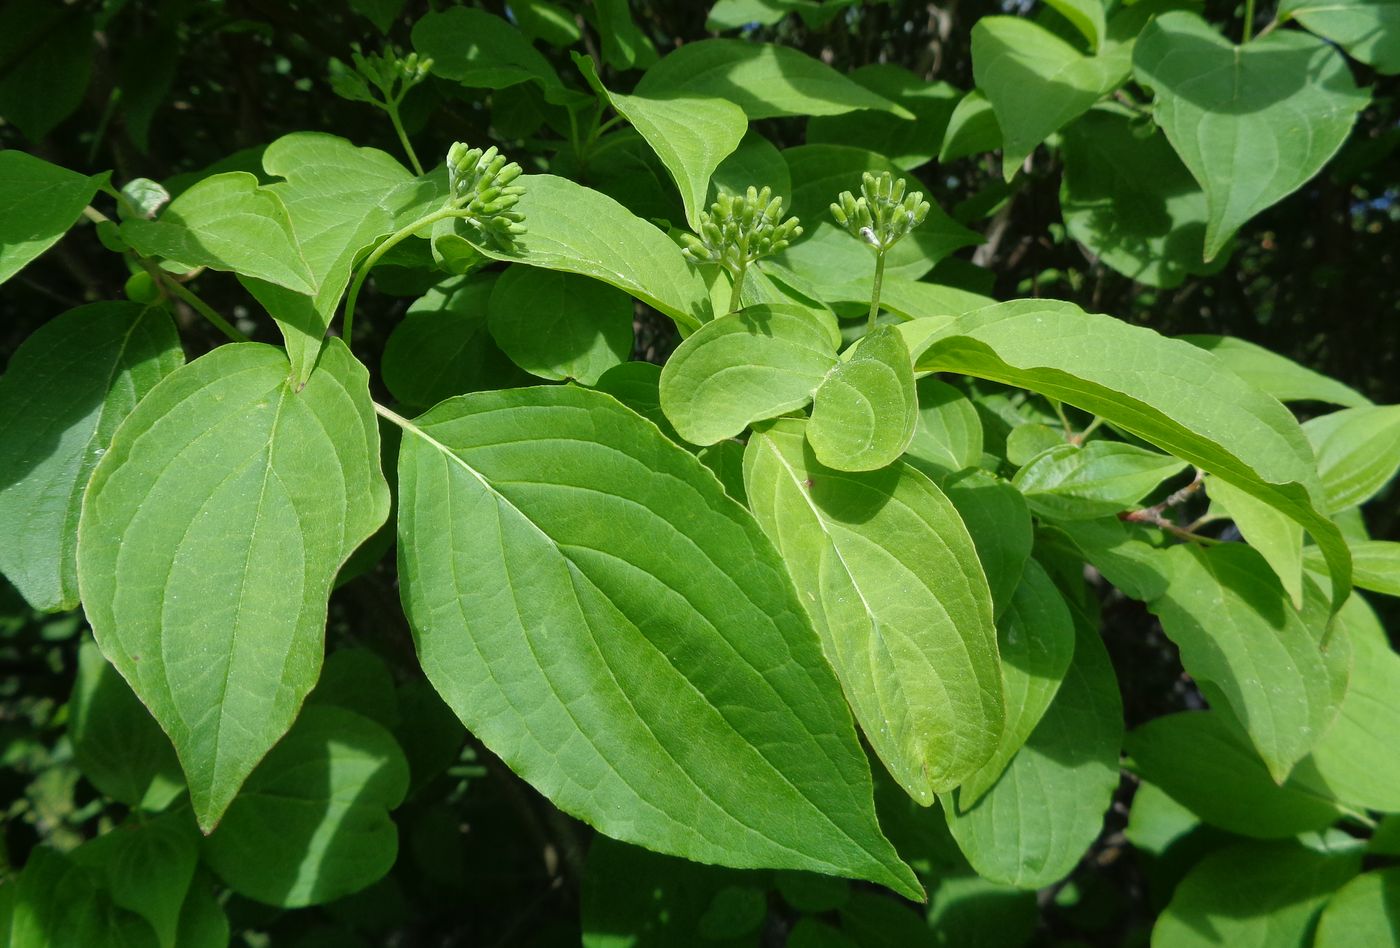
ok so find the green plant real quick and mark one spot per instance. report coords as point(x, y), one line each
point(767, 636)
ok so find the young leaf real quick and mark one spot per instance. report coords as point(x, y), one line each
point(577, 230)
point(1358, 452)
point(312, 823)
point(227, 222)
point(691, 135)
point(754, 364)
point(865, 411)
point(1069, 482)
point(762, 79)
point(1363, 912)
point(1035, 638)
point(891, 580)
point(211, 533)
point(560, 326)
point(650, 670)
point(67, 388)
point(1252, 122)
point(1248, 648)
point(1282, 378)
point(40, 202)
point(1036, 82)
point(1255, 895)
point(116, 743)
point(1204, 763)
point(1367, 29)
point(1000, 523)
point(1169, 393)
point(1034, 824)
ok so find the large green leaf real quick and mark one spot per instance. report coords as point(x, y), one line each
point(1368, 29)
point(754, 364)
point(948, 434)
point(55, 903)
point(891, 580)
point(756, 161)
point(1070, 482)
point(1277, 537)
point(1281, 377)
point(1255, 895)
point(865, 411)
point(148, 868)
point(38, 203)
point(690, 134)
point(1036, 82)
point(211, 532)
point(649, 668)
point(1167, 392)
point(1249, 650)
point(1000, 523)
point(909, 144)
point(48, 52)
point(227, 222)
point(1035, 637)
point(312, 823)
point(1358, 452)
point(763, 79)
point(67, 388)
point(1127, 197)
point(1366, 911)
point(480, 50)
point(577, 230)
point(116, 743)
point(1253, 123)
point(1202, 760)
point(340, 199)
point(1031, 828)
point(558, 325)
point(1376, 564)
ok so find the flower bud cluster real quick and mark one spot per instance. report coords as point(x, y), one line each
point(391, 74)
point(739, 229)
point(883, 214)
point(481, 185)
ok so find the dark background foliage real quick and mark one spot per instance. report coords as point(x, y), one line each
point(484, 859)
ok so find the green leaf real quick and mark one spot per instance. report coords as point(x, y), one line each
point(1354, 761)
point(1282, 378)
point(116, 743)
point(312, 823)
point(541, 19)
point(211, 532)
point(624, 45)
point(1253, 123)
point(758, 363)
point(1358, 452)
point(1086, 16)
point(827, 263)
point(972, 128)
point(948, 434)
point(1254, 895)
point(67, 388)
point(341, 199)
point(890, 577)
point(638, 386)
point(1034, 824)
point(1069, 482)
point(1000, 523)
point(48, 54)
point(1035, 638)
point(755, 161)
point(1127, 197)
point(357, 679)
point(691, 135)
point(1367, 29)
point(1248, 649)
point(443, 348)
point(1156, 821)
point(865, 411)
point(55, 903)
point(560, 326)
point(729, 741)
point(1167, 392)
point(1028, 440)
point(148, 868)
point(1204, 763)
point(480, 50)
point(1122, 554)
point(38, 203)
point(1276, 537)
point(1035, 81)
point(1376, 564)
point(909, 299)
point(763, 79)
point(909, 144)
point(1366, 911)
point(577, 230)
point(227, 222)
point(970, 912)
